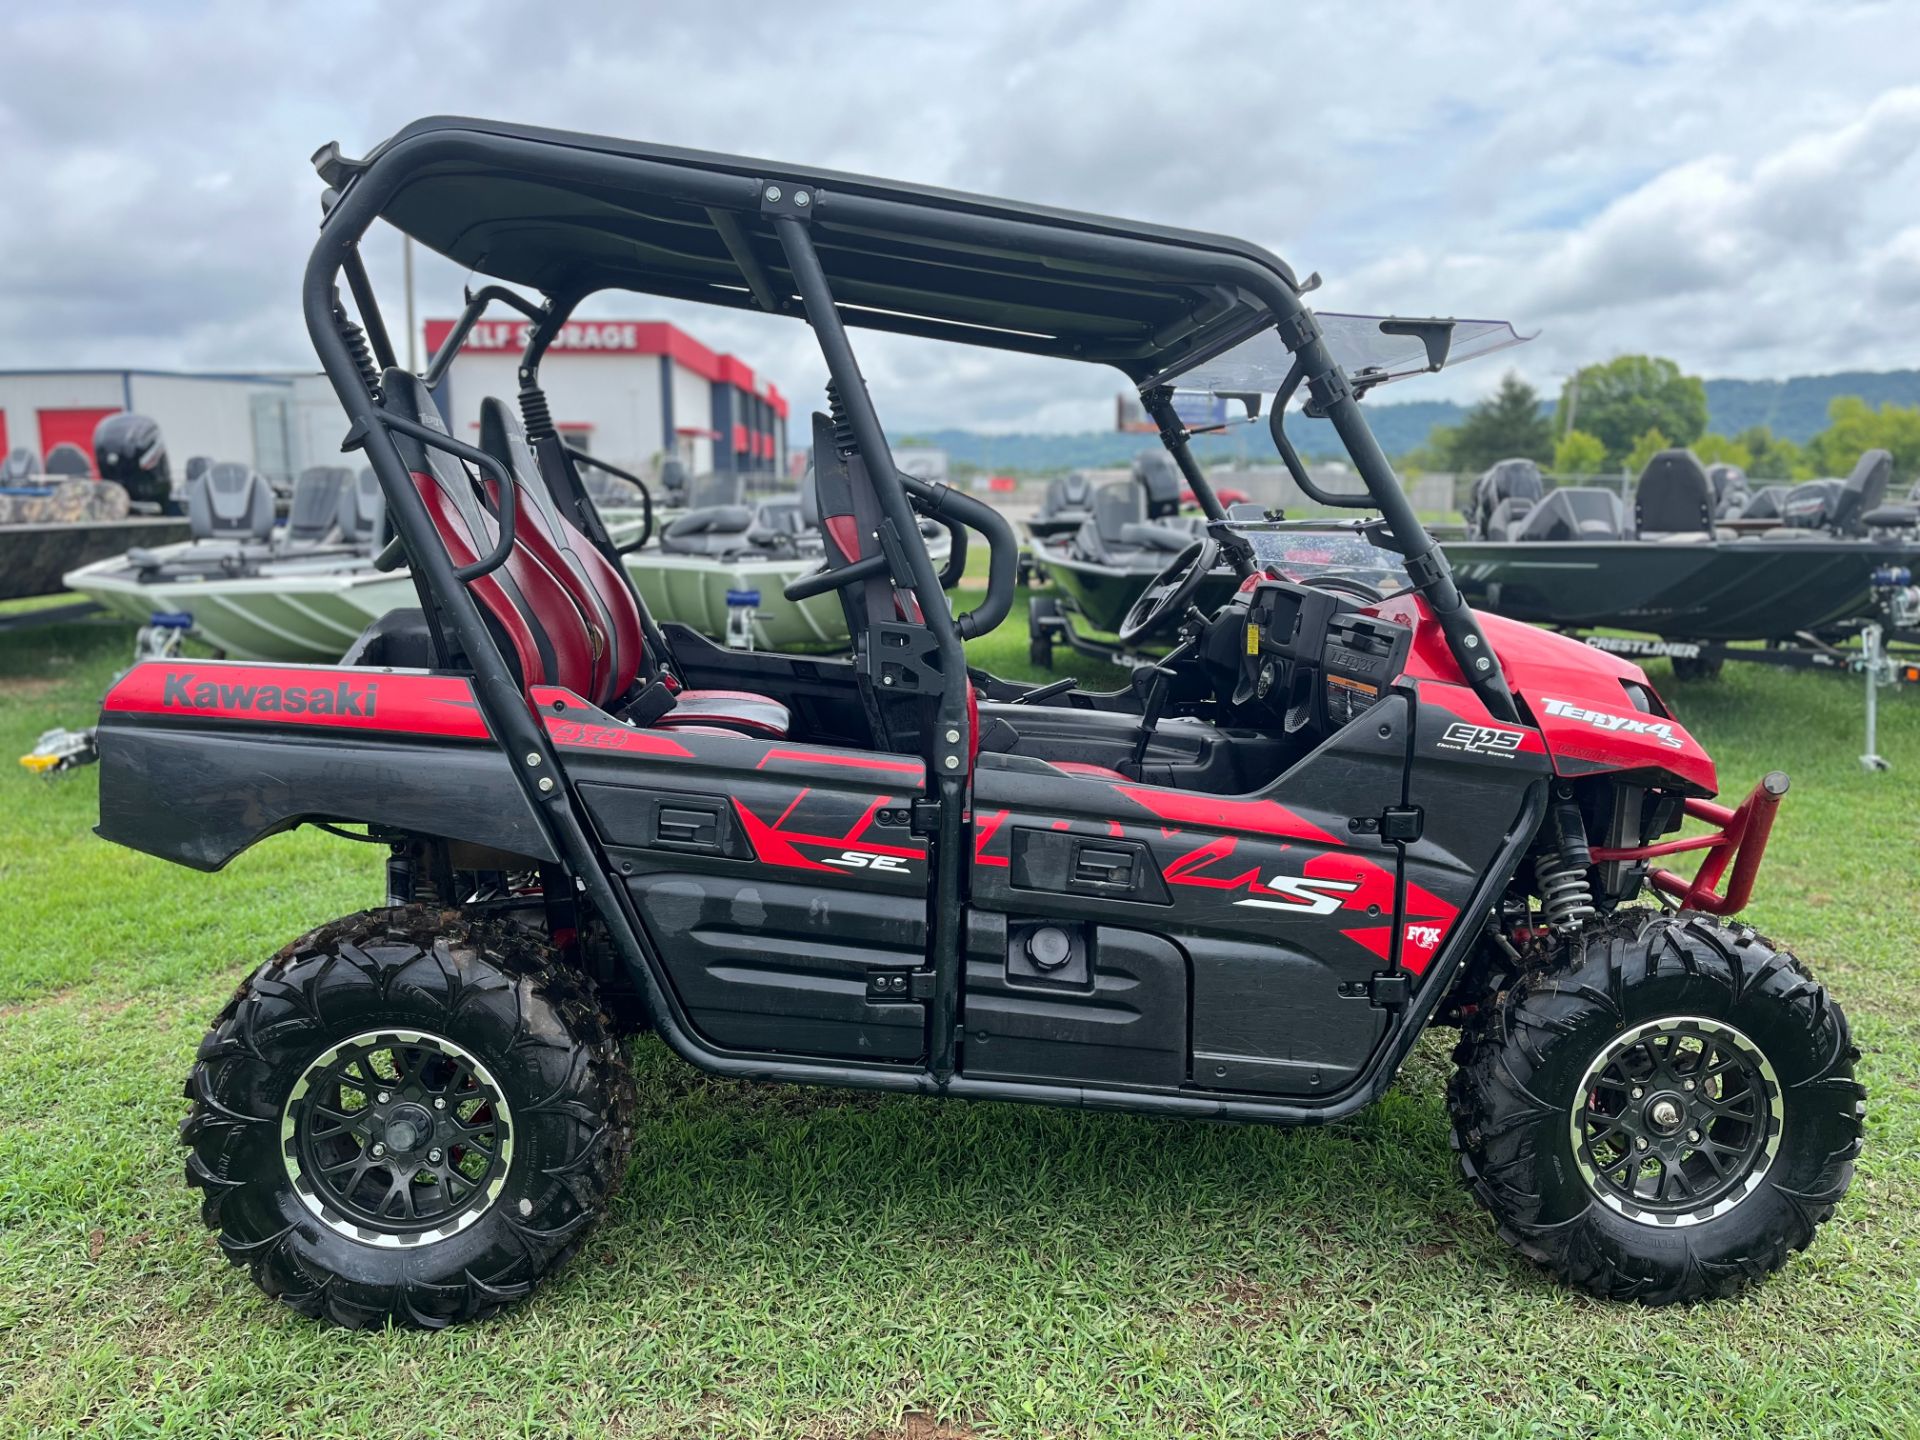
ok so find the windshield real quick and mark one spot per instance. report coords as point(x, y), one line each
point(1372, 349)
point(1300, 554)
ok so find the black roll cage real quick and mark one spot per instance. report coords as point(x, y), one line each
point(358, 195)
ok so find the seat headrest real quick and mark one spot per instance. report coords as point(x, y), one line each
point(315, 508)
point(1115, 507)
point(1159, 479)
point(229, 501)
point(69, 460)
point(1573, 513)
point(21, 464)
point(1865, 489)
point(1674, 495)
point(363, 506)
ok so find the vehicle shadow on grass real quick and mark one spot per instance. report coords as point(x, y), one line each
point(758, 1181)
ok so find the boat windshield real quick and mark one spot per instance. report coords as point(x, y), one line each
point(1372, 349)
point(1303, 554)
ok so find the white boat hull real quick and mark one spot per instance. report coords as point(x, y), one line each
point(296, 616)
point(692, 590)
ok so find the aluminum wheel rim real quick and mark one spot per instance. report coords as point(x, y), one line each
point(1676, 1121)
point(397, 1138)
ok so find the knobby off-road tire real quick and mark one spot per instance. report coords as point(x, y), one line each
point(1577, 1062)
point(484, 1070)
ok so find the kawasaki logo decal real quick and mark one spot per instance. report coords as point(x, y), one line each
point(183, 692)
point(1601, 720)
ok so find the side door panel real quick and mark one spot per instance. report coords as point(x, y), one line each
point(1282, 905)
point(779, 884)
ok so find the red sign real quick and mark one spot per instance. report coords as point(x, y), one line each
point(617, 337)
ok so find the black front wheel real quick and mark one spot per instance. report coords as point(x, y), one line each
point(1663, 1112)
point(404, 1117)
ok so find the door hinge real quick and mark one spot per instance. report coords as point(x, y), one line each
point(1390, 989)
point(1397, 824)
point(900, 985)
point(924, 819)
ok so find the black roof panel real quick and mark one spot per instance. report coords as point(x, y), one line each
point(566, 213)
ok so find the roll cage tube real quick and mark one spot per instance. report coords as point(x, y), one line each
point(950, 752)
point(1272, 286)
point(1174, 436)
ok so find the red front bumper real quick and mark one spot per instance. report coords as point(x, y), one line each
point(1740, 841)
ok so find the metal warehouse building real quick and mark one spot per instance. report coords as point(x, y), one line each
point(279, 422)
point(631, 391)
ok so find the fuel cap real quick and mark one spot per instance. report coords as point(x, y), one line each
point(1049, 948)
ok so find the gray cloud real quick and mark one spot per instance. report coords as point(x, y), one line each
point(1733, 185)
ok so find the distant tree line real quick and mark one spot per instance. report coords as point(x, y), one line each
point(1615, 416)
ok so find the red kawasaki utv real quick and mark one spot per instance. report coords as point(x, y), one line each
point(1239, 889)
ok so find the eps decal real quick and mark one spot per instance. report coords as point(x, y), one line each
point(1474, 739)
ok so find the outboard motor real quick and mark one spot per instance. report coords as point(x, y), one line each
point(674, 481)
point(129, 451)
point(1729, 489)
point(1502, 498)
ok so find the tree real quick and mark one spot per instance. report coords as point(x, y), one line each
point(1579, 453)
point(1622, 400)
point(1772, 458)
point(1853, 426)
point(1722, 450)
point(1650, 444)
point(1506, 425)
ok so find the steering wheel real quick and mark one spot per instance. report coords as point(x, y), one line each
point(1171, 592)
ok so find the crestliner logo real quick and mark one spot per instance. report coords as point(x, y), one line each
point(183, 692)
point(1601, 720)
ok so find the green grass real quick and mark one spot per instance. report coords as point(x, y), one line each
point(792, 1262)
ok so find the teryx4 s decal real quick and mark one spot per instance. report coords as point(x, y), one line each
point(1303, 894)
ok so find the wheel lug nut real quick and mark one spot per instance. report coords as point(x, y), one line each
point(1688, 1085)
point(1641, 1143)
point(1637, 1093)
point(439, 1102)
point(433, 1156)
point(379, 1150)
point(1693, 1136)
point(384, 1096)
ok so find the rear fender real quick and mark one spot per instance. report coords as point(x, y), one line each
point(201, 759)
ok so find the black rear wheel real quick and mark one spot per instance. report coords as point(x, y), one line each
point(1662, 1113)
point(405, 1117)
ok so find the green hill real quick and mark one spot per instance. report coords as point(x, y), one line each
point(1794, 408)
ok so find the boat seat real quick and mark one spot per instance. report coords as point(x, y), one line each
point(563, 615)
point(1764, 503)
point(20, 466)
point(1862, 491)
point(1085, 770)
point(1506, 517)
point(1674, 497)
point(314, 513)
point(68, 461)
point(1067, 495)
point(229, 501)
point(363, 508)
point(1574, 513)
point(1517, 480)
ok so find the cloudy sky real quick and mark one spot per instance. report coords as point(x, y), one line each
point(1736, 185)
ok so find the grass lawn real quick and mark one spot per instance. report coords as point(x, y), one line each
point(790, 1262)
